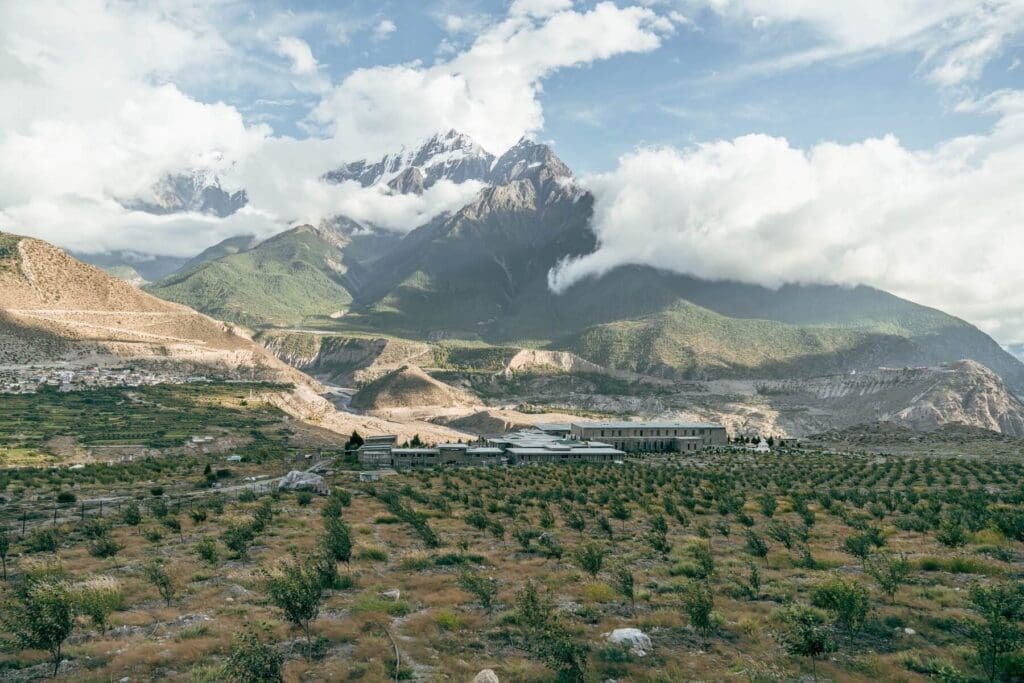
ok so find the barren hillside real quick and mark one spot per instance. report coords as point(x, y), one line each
point(410, 387)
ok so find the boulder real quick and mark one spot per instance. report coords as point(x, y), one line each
point(303, 481)
point(393, 594)
point(486, 676)
point(638, 642)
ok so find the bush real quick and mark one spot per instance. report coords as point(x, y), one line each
point(448, 620)
point(42, 541)
point(252, 661)
point(848, 602)
point(66, 497)
point(598, 592)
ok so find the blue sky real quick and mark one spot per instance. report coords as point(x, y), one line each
point(694, 87)
point(874, 142)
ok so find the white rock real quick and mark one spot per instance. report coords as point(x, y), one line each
point(393, 594)
point(486, 676)
point(639, 643)
point(910, 631)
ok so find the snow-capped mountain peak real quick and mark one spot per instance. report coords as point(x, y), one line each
point(197, 191)
point(450, 156)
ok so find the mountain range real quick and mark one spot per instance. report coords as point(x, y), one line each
point(480, 274)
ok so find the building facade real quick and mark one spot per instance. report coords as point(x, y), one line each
point(653, 437)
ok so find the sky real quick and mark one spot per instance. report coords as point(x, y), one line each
point(874, 142)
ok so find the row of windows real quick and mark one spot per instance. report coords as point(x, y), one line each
point(655, 432)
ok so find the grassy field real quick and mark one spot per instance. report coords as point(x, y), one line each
point(738, 567)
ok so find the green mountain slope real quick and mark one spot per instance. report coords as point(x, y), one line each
point(281, 281)
point(227, 247)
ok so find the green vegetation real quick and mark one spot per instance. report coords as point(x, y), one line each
point(158, 416)
point(282, 281)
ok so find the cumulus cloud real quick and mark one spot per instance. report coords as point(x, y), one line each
point(956, 38)
point(102, 115)
point(296, 50)
point(940, 227)
point(490, 91)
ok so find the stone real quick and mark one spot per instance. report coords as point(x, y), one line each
point(302, 481)
point(638, 642)
point(486, 676)
point(393, 594)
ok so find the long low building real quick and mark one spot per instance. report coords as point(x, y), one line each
point(591, 442)
point(653, 437)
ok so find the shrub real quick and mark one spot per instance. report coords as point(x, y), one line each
point(253, 661)
point(66, 497)
point(41, 541)
point(598, 592)
point(207, 551)
point(448, 620)
point(848, 602)
point(131, 515)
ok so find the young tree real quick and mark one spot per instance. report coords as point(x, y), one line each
point(337, 539)
point(252, 661)
point(768, 504)
point(757, 547)
point(41, 616)
point(699, 603)
point(849, 602)
point(483, 588)
point(999, 632)
point(590, 558)
point(156, 573)
point(889, 571)
point(547, 637)
point(624, 584)
point(858, 545)
point(807, 634)
point(296, 589)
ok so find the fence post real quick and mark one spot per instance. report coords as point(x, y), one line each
point(54, 516)
point(24, 516)
point(83, 511)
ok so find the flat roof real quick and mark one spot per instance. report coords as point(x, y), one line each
point(571, 452)
point(647, 425)
point(553, 426)
point(412, 451)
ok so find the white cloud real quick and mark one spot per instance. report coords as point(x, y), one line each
point(956, 38)
point(384, 29)
point(303, 63)
point(539, 8)
point(940, 227)
point(490, 91)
